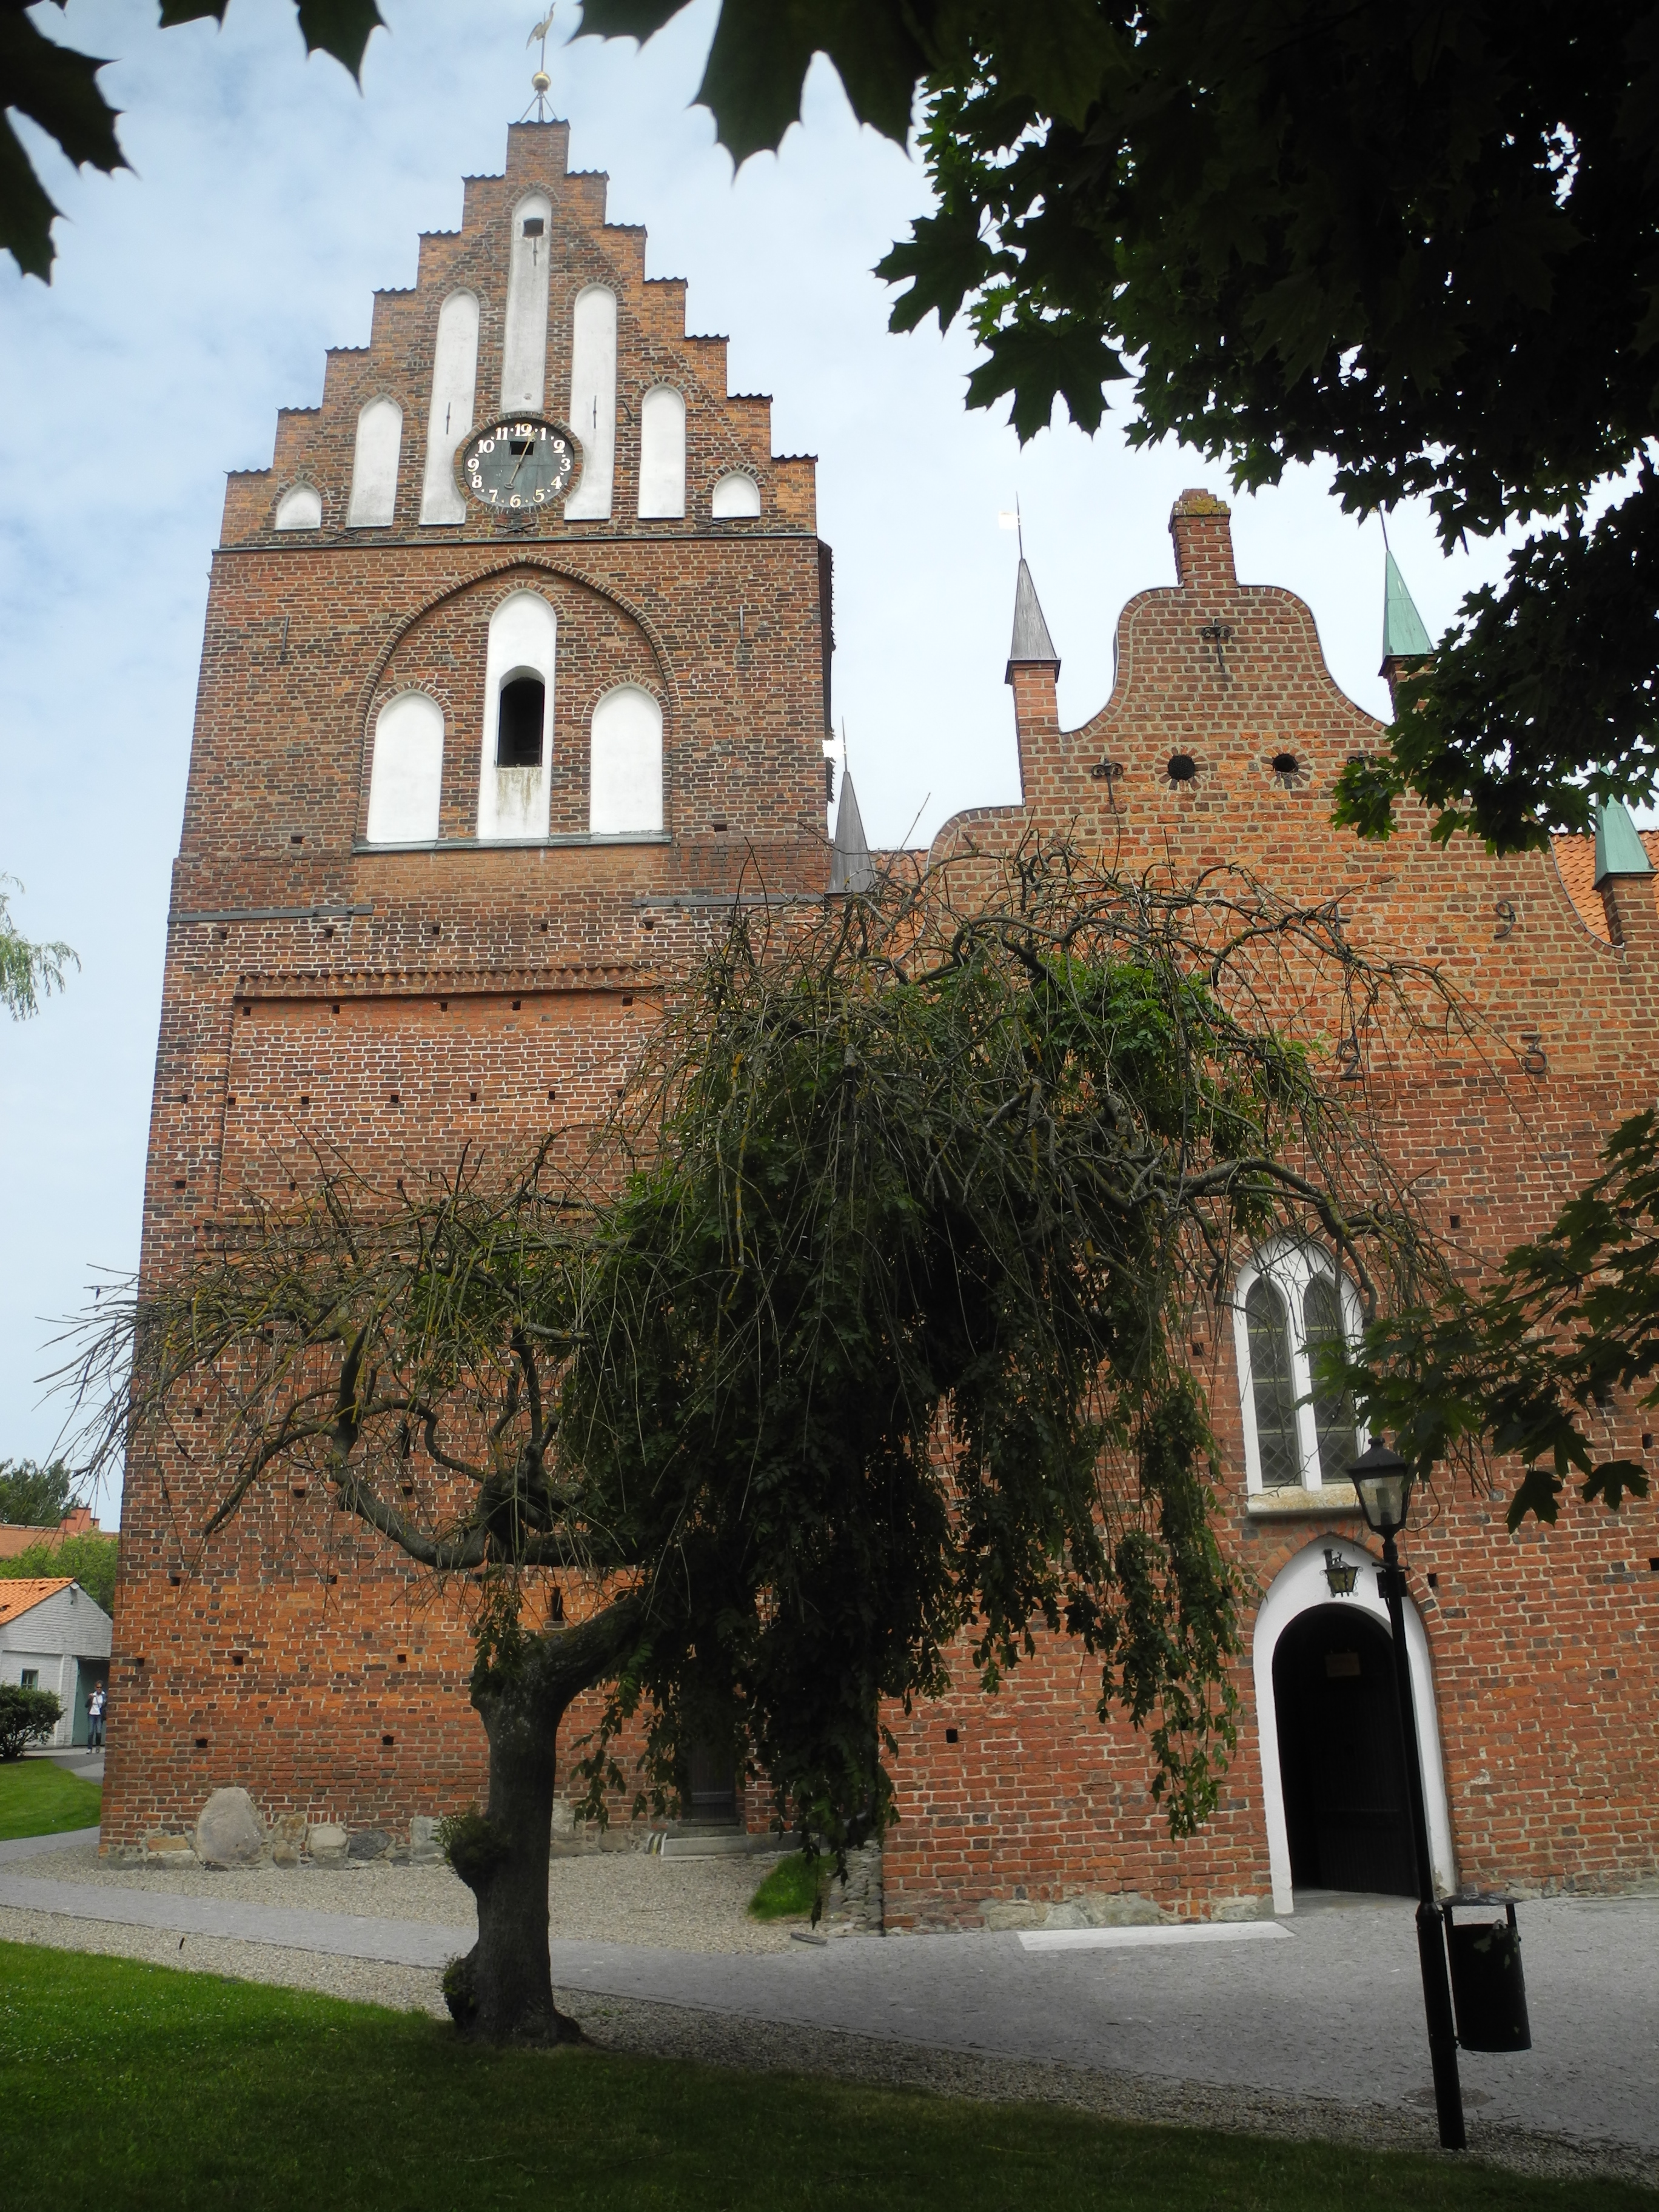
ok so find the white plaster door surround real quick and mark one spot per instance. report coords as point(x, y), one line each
point(1299, 1586)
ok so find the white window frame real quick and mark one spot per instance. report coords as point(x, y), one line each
point(1291, 1264)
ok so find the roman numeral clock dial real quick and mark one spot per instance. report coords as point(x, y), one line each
point(521, 463)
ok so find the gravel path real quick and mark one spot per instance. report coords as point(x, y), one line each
point(610, 1897)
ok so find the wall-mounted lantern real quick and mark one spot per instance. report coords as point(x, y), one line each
point(1340, 1574)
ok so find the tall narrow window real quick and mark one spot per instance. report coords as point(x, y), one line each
point(374, 465)
point(1335, 1437)
point(518, 733)
point(625, 765)
point(405, 782)
point(1272, 1386)
point(455, 382)
point(523, 345)
point(662, 453)
point(593, 401)
point(522, 710)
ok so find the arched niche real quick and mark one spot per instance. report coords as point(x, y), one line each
point(735, 497)
point(374, 465)
point(624, 773)
point(301, 508)
point(662, 454)
point(449, 419)
point(405, 786)
point(1300, 1585)
point(593, 401)
point(513, 794)
point(524, 344)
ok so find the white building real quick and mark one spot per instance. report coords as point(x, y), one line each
point(54, 1636)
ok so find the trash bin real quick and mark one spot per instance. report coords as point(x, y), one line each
point(1488, 1987)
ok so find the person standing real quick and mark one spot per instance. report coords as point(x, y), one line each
point(95, 1705)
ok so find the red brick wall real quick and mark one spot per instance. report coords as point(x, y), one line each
point(400, 1005)
point(383, 989)
point(1543, 1643)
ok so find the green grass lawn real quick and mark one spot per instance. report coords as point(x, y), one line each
point(39, 1799)
point(129, 2087)
point(789, 1889)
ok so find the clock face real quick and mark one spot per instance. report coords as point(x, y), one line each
point(521, 463)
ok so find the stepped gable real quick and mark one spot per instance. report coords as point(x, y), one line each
point(725, 433)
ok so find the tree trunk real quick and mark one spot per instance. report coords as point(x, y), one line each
point(502, 1991)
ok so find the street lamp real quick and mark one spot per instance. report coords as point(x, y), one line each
point(1384, 1482)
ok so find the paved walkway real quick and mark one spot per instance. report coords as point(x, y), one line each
point(1327, 2004)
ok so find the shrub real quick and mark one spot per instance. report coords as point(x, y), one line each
point(25, 1716)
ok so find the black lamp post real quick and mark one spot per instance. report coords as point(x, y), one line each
point(1383, 1481)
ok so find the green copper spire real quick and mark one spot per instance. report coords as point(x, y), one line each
point(1619, 850)
point(1404, 637)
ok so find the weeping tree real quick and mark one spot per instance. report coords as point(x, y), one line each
point(856, 1340)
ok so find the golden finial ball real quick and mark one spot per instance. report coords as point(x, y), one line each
point(541, 82)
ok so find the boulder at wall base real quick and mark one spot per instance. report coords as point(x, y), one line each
point(229, 1831)
point(368, 1844)
point(424, 1848)
point(287, 1839)
point(327, 1845)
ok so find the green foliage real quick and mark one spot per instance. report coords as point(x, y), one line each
point(1418, 245)
point(160, 2091)
point(32, 1497)
point(886, 1339)
point(472, 1846)
point(91, 1559)
point(28, 972)
point(861, 1326)
point(25, 1716)
point(58, 88)
point(38, 1798)
point(1533, 1365)
point(792, 1889)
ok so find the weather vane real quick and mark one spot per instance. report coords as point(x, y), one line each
point(541, 83)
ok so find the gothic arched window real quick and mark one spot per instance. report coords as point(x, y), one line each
point(1291, 1301)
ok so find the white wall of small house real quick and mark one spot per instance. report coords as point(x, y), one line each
point(51, 1638)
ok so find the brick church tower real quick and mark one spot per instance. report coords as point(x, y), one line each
point(516, 657)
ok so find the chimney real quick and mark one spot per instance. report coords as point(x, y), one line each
point(1202, 528)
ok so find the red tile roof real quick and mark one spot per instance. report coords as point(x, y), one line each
point(1576, 859)
point(22, 1595)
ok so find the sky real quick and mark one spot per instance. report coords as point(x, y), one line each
point(268, 199)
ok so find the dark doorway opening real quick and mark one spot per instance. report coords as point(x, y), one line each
point(712, 1791)
point(519, 736)
point(1339, 1754)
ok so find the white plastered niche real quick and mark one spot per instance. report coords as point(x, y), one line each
point(624, 775)
point(512, 802)
point(593, 401)
point(449, 421)
point(406, 784)
point(524, 346)
point(374, 465)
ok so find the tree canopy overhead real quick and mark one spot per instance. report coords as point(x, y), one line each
point(1418, 241)
point(866, 1325)
point(56, 88)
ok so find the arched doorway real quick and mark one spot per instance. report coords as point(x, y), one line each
point(1303, 1589)
point(1346, 1817)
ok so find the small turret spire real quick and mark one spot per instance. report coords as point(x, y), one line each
point(1619, 847)
point(851, 868)
point(1031, 646)
point(1404, 637)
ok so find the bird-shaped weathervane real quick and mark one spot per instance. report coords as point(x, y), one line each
point(541, 83)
